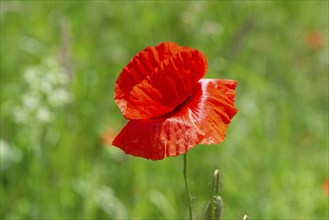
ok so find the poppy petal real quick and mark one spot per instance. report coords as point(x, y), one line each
point(156, 138)
point(214, 108)
point(140, 66)
point(157, 80)
point(167, 87)
point(203, 118)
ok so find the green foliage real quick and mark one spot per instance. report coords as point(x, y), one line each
point(54, 164)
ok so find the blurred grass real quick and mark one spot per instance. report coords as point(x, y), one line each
point(274, 160)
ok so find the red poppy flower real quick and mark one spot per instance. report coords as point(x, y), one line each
point(315, 40)
point(108, 136)
point(170, 108)
point(326, 187)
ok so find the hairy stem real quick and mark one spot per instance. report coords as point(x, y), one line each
point(186, 187)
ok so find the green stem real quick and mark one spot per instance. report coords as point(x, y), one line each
point(186, 187)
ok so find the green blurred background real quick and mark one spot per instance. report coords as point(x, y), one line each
point(59, 63)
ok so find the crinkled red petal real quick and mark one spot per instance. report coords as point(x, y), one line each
point(203, 118)
point(157, 80)
point(167, 87)
point(215, 110)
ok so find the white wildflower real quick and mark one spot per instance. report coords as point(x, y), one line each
point(59, 97)
point(45, 90)
point(46, 86)
point(44, 115)
point(31, 75)
point(30, 101)
point(9, 155)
